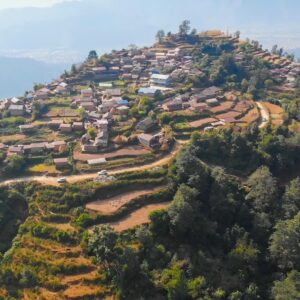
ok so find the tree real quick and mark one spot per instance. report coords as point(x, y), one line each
point(184, 27)
point(160, 35)
point(92, 55)
point(291, 199)
point(285, 243)
point(274, 49)
point(83, 114)
point(243, 258)
point(36, 110)
point(92, 132)
point(289, 288)
point(269, 83)
point(194, 31)
point(173, 280)
point(13, 165)
point(182, 211)
point(102, 244)
point(132, 46)
point(190, 170)
point(74, 69)
point(263, 190)
point(237, 34)
point(244, 85)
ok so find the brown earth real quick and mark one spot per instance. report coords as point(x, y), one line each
point(111, 205)
point(138, 217)
point(128, 151)
point(202, 122)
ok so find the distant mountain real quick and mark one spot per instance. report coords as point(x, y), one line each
point(18, 74)
point(66, 31)
point(105, 25)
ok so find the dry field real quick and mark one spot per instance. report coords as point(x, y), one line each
point(111, 205)
point(202, 122)
point(276, 112)
point(224, 106)
point(138, 217)
point(128, 151)
point(230, 114)
point(12, 138)
point(242, 106)
point(251, 116)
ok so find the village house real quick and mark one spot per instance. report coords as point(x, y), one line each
point(27, 128)
point(122, 110)
point(105, 85)
point(101, 139)
point(212, 102)
point(89, 106)
point(77, 126)
point(89, 148)
point(65, 128)
point(34, 148)
point(42, 93)
point(147, 91)
point(61, 162)
point(97, 161)
point(160, 79)
point(3, 147)
point(15, 100)
point(198, 107)
point(112, 93)
point(150, 141)
point(127, 68)
point(15, 150)
point(209, 93)
point(55, 124)
point(103, 73)
point(87, 93)
point(93, 116)
point(145, 125)
point(63, 89)
point(173, 105)
point(58, 146)
point(16, 110)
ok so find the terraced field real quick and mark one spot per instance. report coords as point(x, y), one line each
point(251, 116)
point(112, 204)
point(276, 112)
point(138, 217)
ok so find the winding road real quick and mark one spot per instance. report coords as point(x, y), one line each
point(265, 116)
point(48, 180)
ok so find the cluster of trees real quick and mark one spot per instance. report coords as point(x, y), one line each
point(220, 238)
point(243, 152)
point(184, 32)
point(13, 211)
point(11, 165)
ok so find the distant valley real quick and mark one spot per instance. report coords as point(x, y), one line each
point(17, 75)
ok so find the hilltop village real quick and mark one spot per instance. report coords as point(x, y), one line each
point(162, 172)
point(127, 106)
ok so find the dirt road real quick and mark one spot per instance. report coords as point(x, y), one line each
point(265, 116)
point(47, 180)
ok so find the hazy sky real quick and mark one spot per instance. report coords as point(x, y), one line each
point(24, 3)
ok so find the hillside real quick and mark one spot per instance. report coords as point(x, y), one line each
point(160, 172)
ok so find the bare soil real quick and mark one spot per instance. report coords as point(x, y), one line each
point(138, 217)
point(128, 151)
point(202, 122)
point(111, 205)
